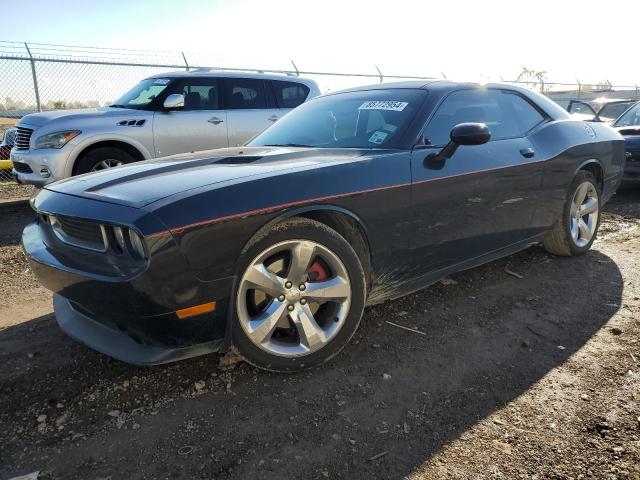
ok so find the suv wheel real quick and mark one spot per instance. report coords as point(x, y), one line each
point(101, 159)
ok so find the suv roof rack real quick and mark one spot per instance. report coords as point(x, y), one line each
point(245, 70)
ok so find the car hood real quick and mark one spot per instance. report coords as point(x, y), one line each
point(631, 137)
point(142, 183)
point(41, 118)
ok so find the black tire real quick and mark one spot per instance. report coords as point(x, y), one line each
point(302, 229)
point(89, 160)
point(558, 240)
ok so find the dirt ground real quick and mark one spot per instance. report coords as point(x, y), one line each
point(535, 377)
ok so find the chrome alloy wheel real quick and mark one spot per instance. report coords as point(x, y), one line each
point(584, 214)
point(293, 298)
point(104, 164)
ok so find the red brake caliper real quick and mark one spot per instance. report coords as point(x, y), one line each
point(317, 273)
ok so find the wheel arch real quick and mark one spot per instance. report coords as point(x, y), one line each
point(345, 222)
point(136, 151)
point(595, 167)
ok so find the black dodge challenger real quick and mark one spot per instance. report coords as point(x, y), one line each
point(351, 199)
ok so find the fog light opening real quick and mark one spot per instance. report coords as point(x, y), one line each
point(45, 172)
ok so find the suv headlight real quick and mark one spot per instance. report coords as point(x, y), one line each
point(55, 139)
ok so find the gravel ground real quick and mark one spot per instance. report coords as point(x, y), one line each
point(535, 377)
point(12, 190)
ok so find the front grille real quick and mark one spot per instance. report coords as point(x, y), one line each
point(23, 136)
point(22, 167)
point(81, 229)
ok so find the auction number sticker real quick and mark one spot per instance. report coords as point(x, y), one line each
point(384, 105)
point(161, 81)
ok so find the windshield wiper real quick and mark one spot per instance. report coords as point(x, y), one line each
point(288, 145)
point(115, 105)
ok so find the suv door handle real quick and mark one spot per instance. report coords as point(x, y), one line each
point(527, 152)
point(215, 120)
point(273, 118)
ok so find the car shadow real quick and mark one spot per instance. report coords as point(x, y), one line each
point(382, 408)
point(625, 201)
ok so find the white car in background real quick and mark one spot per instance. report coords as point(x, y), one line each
point(162, 115)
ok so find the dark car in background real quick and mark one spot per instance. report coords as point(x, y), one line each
point(353, 198)
point(628, 125)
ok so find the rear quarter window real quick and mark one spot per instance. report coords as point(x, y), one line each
point(289, 94)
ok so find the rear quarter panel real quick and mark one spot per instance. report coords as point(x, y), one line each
point(567, 146)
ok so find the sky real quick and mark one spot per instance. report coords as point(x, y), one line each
point(462, 40)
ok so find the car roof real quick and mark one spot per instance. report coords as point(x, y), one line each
point(213, 73)
point(440, 86)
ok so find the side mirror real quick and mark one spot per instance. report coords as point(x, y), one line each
point(174, 101)
point(461, 134)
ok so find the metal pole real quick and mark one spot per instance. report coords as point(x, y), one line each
point(295, 67)
point(35, 77)
point(579, 88)
point(185, 61)
point(379, 73)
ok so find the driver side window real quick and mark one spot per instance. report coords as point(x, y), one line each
point(485, 106)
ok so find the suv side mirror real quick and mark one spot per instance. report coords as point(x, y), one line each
point(174, 101)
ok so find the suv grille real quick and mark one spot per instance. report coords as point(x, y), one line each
point(22, 167)
point(23, 136)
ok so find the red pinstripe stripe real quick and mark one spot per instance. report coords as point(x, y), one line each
point(326, 197)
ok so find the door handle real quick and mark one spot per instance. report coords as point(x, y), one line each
point(215, 120)
point(527, 152)
point(273, 118)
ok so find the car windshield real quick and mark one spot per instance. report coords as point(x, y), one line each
point(142, 94)
point(363, 119)
point(630, 118)
point(612, 111)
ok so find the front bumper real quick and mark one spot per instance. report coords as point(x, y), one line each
point(128, 312)
point(119, 344)
point(632, 166)
point(40, 167)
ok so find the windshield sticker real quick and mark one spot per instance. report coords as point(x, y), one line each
point(161, 81)
point(383, 105)
point(378, 137)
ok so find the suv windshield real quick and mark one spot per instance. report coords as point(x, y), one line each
point(364, 119)
point(631, 117)
point(142, 94)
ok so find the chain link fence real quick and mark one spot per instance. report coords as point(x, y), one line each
point(39, 77)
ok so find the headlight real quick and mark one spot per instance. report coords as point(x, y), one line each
point(56, 139)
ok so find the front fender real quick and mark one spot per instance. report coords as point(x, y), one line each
point(90, 140)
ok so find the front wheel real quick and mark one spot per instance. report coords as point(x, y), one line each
point(102, 158)
point(575, 232)
point(299, 298)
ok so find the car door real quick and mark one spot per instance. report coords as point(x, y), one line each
point(200, 125)
point(583, 111)
point(483, 198)
point(250, 108)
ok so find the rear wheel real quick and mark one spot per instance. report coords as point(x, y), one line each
point(100, 159)
point(299, 297)
point(575, 232)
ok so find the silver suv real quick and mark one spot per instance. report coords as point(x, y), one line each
point(162, 115)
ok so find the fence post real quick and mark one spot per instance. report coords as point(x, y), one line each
point(295, 67)
point(579, 88)
point(380, 74)
point(35, 77)
point(185, 61)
